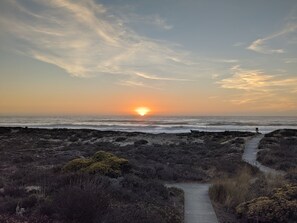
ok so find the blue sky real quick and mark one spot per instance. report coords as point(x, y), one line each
point(182, 57)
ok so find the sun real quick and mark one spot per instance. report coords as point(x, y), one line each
point(142, 111)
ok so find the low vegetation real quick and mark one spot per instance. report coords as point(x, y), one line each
point(278, 206)
point(101, 162)
point(152, 156)
point(278, 150)
point(82, 191)
point(65, 175)
point(256, 198)
point(232, 191)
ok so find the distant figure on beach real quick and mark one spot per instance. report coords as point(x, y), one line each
point(257, 130)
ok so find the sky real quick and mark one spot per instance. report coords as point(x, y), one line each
point(176, 57)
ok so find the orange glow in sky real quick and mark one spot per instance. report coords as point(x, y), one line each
point(142, 111)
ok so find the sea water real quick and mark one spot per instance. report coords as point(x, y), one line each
point(155, 124)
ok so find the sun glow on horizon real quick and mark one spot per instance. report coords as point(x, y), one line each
point(142, 111)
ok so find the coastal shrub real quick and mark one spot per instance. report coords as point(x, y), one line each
point(137, 213)
point(116, 162)
point(140, 142)
point(46, 208)
point(14, 191)
point(23, 159)
point(27, 174)
point(289, 132)
point(171, 215)
point(29, 202)
point(102, 156)
point(101, 162)
point(120, 139)
point(144, 187)
point(264, 185)
point(100, 167)
point(279, 150)
point(280, 206)
point(21, 219)
point(143, 213)
point(292, 175)
point(8, 205)
point(81, 203)
point(77, 164)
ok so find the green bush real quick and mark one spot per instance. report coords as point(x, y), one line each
point(77, 164)
point(102, 156)
point(99, 167)
point(101, 162)
point(116, 162)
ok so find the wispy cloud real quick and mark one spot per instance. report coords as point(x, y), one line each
point(132, 83)
point(152, 77)
point(261, 45)
point(160, 22)
point(215, 76)
point(237, 44)
point(246, 80)
point(85, 39)
point(226, 60)
point(257, 80)
point(256, 101)
point(290, 60)
point(259, 87)
point(133, 18)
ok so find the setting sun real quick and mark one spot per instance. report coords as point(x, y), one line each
point(142, 111)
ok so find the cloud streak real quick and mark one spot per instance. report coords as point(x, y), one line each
point(152, 77)
point(260, 88)
point(257, 80)
point(261, 45)
point(85, 39)
point(128, 17)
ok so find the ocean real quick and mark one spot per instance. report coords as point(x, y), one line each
point(155, 124)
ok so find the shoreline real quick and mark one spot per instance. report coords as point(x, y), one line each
point(152, 124)
point(156, 131)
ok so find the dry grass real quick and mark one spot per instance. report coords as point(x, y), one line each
point(244, 186)
point(247, 196)
point(232, 191)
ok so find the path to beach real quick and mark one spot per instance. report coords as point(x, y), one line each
point(250, 155)
point(198, 208)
